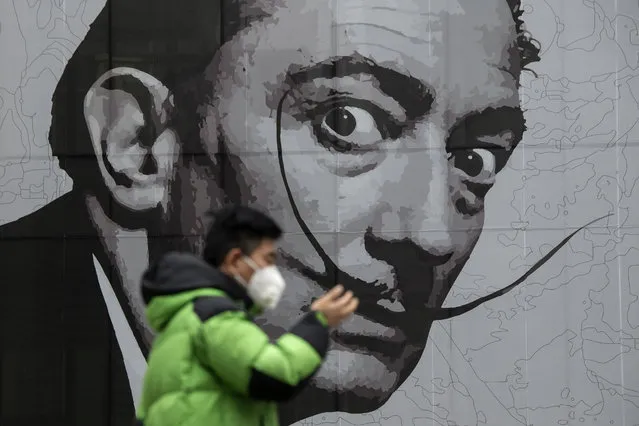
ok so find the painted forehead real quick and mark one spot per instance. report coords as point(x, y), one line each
point(411, 35)
point(431, 44)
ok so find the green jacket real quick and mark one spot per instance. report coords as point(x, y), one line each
point(210, 364)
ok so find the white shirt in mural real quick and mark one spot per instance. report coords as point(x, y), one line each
point(134, 361)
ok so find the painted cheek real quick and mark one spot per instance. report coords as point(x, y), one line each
point(468, 200)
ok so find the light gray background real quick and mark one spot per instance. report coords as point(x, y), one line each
point(564, 349)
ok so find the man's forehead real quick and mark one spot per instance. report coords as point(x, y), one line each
point(267, 248)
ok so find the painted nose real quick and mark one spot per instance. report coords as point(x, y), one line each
point(425, 239)
point(418, 216)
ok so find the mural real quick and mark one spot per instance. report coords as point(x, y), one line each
point(432, 156)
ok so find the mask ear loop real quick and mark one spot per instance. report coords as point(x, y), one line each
point(251, 263)
point(435, 314)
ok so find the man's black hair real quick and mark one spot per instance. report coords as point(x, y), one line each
point(237, 227)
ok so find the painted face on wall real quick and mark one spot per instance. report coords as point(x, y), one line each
point(393, 120)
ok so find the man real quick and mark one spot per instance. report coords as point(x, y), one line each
point(372, 131)
point(210, 364)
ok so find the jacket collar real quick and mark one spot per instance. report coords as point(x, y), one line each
point(235, 290)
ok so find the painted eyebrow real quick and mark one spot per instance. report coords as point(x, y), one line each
point(415, 97)
point(488, 122)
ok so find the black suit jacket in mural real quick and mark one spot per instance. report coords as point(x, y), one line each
point(61, 364)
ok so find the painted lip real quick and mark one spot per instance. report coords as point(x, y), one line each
point(361, 334)
point(383, 307)
point(369, 344)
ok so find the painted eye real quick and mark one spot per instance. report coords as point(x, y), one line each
point(474, 162)
point(349, 128)
point(344, 121)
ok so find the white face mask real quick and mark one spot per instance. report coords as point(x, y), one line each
point(266, 285)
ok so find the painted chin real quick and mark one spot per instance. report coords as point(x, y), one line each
point(360, 334)
point(367, 360)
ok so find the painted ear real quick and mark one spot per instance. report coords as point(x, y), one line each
point(126, 112)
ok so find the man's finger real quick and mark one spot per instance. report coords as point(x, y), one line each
point(344, 299)
point(334, 293)
point(350, 307)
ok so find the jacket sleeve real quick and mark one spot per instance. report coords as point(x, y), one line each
point(241, 355)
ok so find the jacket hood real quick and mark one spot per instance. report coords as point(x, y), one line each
point(177, 279)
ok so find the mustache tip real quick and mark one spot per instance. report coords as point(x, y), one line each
point(437, 314)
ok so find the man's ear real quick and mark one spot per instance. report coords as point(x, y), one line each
point(231, 261)
point(126, 111)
